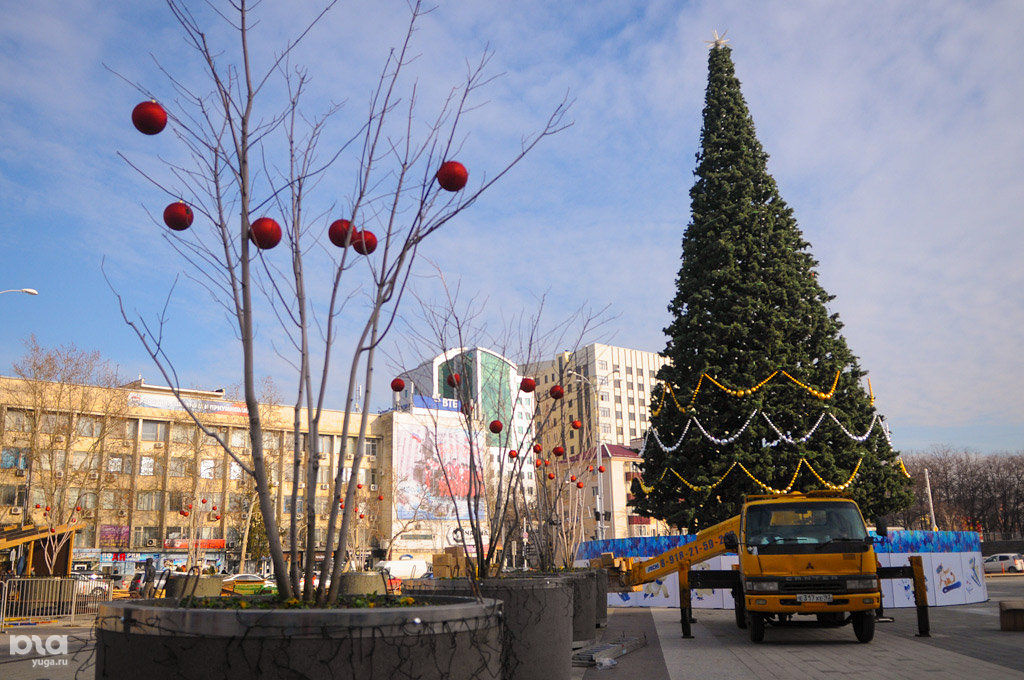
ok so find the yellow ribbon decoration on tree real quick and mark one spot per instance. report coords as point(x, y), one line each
point(665, 387)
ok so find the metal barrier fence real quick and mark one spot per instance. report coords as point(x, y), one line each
point(40, 600)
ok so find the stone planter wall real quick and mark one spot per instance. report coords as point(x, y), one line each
point(537, 643)
point(601, 599)
point(584, 603)
point(454, 638)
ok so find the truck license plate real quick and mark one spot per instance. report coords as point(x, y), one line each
point(815, 597)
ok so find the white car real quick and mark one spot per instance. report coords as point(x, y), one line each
point(1004, 563)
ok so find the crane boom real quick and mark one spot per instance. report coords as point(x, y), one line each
point(706, 544)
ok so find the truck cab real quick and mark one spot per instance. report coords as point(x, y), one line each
point(805, 555)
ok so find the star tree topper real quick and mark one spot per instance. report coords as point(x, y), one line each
point(719, 40)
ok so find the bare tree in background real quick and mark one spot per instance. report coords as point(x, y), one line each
point(63, 406)
point(229, 126)
point(493, 502)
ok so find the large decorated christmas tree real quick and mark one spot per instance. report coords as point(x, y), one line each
point(757, 360)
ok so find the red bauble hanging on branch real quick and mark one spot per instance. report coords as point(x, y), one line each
point(600, 468)
point(558, 451)
point(380, 497)
point(359, 486)
point(361, 515)
point(364, 242)
point(216, 516)
point(528, 385)
point(572, 478)
point(149, 118)
point(576, 424)
point(513, 453)
point(551, 475)
point(556, 392)
point(339, 231)
point(453, 380)
point(452, 176)
point(265, 233)
point(579, 485)
point(397, 385)
point(495, 426)
point(537, 448)
point(539, 463)
point(178, 216)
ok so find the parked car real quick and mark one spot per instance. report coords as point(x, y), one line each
point(1004, 563)
point(92, 583)
point(249, 584)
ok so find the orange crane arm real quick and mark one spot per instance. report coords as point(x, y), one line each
point(707, 544)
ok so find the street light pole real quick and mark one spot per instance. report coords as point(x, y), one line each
point(26, 291)
point(597, 438)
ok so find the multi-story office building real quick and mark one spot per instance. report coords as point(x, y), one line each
point(127, 463)
point(607, 388)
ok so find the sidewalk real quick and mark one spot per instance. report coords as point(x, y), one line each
point(720, 650)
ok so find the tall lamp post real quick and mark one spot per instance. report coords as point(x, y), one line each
point(597, 436)
point(26, 291)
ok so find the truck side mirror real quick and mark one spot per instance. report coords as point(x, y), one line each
point(881, 528)
point(730, 542)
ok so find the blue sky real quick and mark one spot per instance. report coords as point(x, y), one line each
point(893, 128)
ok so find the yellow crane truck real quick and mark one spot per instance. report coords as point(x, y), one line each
point(799, 555)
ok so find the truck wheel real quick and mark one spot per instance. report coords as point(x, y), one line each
point(864, 625)
point(755, 626)
point(740, 609)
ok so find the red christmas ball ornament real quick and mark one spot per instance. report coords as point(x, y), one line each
point(185, 513)
point(551, 475)
point(53, 531)
point(528, 384)
point(467, 408)
point(572, 478)
point(189, 506)
point(453, 380)
point(45, 514)
point(204, 500)
point(547, 463)
point(556, 392)
point(72, 520)
point(513, 453)
point(452, 176)
point(359, 486)
point(576, 424)
point(540, 463)
point(78, 508)
point(178, 216)
point(537, 448)
point(600, 468)
point(361, 515)
point(339, 232)
point(558, 451)
point(341, 505)
point(397, 385)
point(149, 118)
point(364, 242)
point(47, 508)
point(181, 512)
point(590, 468)
point(495, 426)
point(38, 506)
point(579, 485)
point(265, 233)
point(380, 497)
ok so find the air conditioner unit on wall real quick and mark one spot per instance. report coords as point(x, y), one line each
point(93, 476)
point(122, 513)
point(158, 445)
point(324, 487)
point(58, 474)
point(152, 543)
point(15, 511)
point(19, 472)
point(373, 487)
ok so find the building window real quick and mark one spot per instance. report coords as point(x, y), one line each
point(12, 495)
point(237, 502)
point(235, 471)
point(629, 370)
point(181, 434)
point(632, 432)
point(618, 414)
point(606, 428)
point(19, 421)
point(619, 431)
point(604, 396)
point(87, 426)
point(119, 464)
point(84, 460)
point(87, 501)
point(147, 500)
point(605, 412)
point(176, 501)
point(618, 399)
point(210, 533)
point(108, 500)
point(153, 431)
point(178, 466)
point(652, 374)
point(603, 365)
point(209, 469)
point(218, 431)
point(13, 458)
point(86, 537)
point(148, 466)
point(143, 537)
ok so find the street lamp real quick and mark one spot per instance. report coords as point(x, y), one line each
point(26, 291)
point(600, 476)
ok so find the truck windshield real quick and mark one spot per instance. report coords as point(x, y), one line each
point(777, 527)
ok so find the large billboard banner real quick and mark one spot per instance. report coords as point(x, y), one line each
point(431, 465)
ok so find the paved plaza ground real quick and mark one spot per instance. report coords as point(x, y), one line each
point(966, 643)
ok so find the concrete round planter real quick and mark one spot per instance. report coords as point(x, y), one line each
point(360, 583)
point(452, 637)
point(537, 643)
point(601, 600)
point(584, 603)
